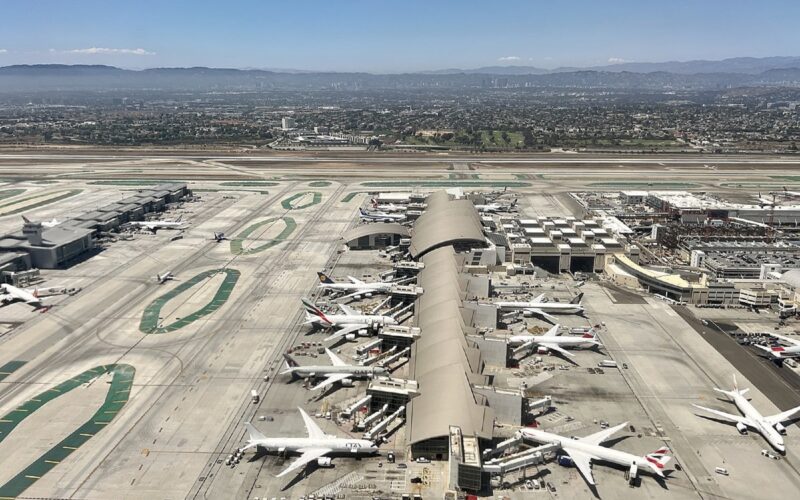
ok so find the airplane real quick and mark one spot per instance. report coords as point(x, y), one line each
point(496, 207)
point(380, 216)
point(348, 324)
point(538, 307)
point(338, 371)
point(357, 287)
point(386, 207)
point(9, 294)
point(770, 427)
point(219, 237)
point(551, 341)
point(314, 447)
point(780, 352)
point(163, 278)
point(583, 450)
point(155, 225)
point(51, 223)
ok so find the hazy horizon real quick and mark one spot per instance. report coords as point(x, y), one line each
point(377, 37)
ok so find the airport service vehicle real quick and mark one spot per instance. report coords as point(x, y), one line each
point(356, 287)
point(770, 427)
point(542, 308)
point(551, 341)
point(163, 278)
point(780, 352)
point(316, 447)
point(348, 324)
point(583, 450)
point(337, 371)
point(155, 225)
point(607, 363)
point(375, 216)
point(9, 294)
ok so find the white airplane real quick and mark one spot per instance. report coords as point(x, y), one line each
point(163, 278)
point(314, 447)
point(348, 324)
point(219, 237)
point(538, 307)
point(155, 225)
point(51, 223)
point(551, 341)
point(583, 450)
point(770, 427)
point(386, 207)
point(9, 294)
point(338, 371)
point(780, 352)
point(380, 216)
point(496, 207)
point(356, 287)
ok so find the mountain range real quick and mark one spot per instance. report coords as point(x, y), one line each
point(691, 75)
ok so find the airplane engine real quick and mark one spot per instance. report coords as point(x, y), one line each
point(324, 462)
point(350, 336)
point(542, 350)
point(347, 382)
point(368, 295)
point(741, 428)
point(780, 428)
point(527, 314)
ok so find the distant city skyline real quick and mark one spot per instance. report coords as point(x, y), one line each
point(383, 37)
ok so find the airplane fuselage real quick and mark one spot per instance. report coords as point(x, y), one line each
point(769, 432)
point(323, 370)
point(367, 320)
point(597, 451)
point(548, 307)
point(337, 445)
point(516, 340)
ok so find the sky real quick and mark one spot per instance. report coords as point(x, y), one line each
point(382, 36)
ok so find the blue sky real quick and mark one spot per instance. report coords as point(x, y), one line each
point(384, 36)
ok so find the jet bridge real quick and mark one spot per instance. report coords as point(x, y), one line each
point(525, 458)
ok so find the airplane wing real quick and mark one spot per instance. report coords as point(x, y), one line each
point(313, 429)
point(355, 281)
point(360, 291)
point(583, 461)
point(556, 347)
point(345, 330)
point(309, 455)
point(525, 345)
point(726, 416)
point(780, 417)
point(349, 311)
point(538, 298)
point(539, 312)
point(598, 437)
point(331, 379)
point(335, 360)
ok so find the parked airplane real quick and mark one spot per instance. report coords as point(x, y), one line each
point(9, 294)
point(770, 427)
point(583, 450)
point(380, 216)
point(155, 225)
point(780, 352)
point(219, 237)
point(163, 278)
point(496, 207)
point(386, 207)
point(348, 323)
point(538, 307)
point(317, 446)
point(356, 287)
point(551, 341)
point(338, 371)
point(51, 223)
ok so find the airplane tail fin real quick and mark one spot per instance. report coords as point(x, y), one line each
point(324, 278)
point(289, 362)
point(179, 218)
point(311, 309)
point(577, 299)
point(658, 460)
point(27, 220)
point(253, 433)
